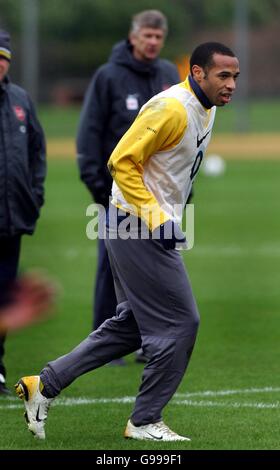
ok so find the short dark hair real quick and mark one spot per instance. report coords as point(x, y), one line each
point(203, 54)
point(149, 19)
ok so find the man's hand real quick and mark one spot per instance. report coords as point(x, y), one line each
point(170, 235)
point(32, 298)
point(101, 195)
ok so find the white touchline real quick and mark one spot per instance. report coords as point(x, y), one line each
point(180, 399)
point(216, 404)
point(198, 404)
point(217, 393)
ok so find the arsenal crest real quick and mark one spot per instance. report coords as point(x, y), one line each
point(19, 112)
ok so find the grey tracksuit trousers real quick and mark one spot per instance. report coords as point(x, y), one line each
point(156, 310)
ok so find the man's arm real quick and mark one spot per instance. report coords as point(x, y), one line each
point(91, 159)
point(158, 128)
point(36, 154)
point(32, 297)
point(170, 72)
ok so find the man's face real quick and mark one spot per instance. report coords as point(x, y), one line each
point(219, 80)
point(4, 67)
point(147, 43)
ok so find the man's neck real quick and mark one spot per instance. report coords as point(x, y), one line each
point(200, 93)
point(141, 59)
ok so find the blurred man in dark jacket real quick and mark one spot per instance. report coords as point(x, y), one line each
point(22, 174)
point(133, 74)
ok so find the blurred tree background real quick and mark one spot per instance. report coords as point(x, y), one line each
point(76, 36)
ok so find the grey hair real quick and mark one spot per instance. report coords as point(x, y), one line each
point(149, 19)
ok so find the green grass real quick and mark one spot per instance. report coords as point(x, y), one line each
point(234, 269)
point(59, 121)
point(263, 117)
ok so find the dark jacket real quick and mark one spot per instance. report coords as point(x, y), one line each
point(114, 97)
point(22, 162)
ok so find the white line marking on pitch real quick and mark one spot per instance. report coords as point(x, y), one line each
point(6, 402)
point(217, 393)
point(225, 404)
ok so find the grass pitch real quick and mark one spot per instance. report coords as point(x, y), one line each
point(229, 398)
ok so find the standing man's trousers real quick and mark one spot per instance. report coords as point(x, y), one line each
point(156, 310)
point(9, 260)
point(105, 301)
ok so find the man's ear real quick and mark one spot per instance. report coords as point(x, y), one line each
point(198, 73)
point(131, 38)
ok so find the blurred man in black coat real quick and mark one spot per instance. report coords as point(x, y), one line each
point(22, 174)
